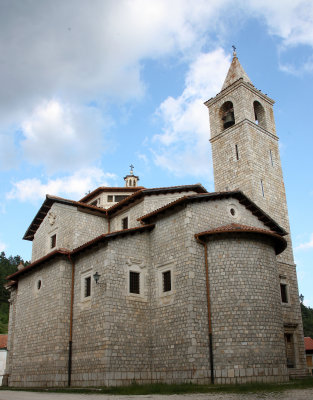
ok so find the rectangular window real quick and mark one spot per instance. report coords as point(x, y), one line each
point(134, 282)
point(125, 223)
point(53, 241)
point(262, 188)
point(271, 158)
point(283, 292)
point(120, 197)
point(87, 288)
point(110, 198)
point(237, 152)
point(167, 282)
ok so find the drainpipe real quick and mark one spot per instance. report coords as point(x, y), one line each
point(209, 306)
point(69, 371)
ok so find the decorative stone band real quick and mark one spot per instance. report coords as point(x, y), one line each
point(279, 242)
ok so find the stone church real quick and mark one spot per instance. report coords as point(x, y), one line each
point(170, 284)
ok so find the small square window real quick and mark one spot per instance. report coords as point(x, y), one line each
point(53, 241)
point(134, 282)
point(283, 292)
point(110, 198)
point(87, 287)
point(167, 282)
point(125, 223)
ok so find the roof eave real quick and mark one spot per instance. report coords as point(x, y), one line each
point(279, 241)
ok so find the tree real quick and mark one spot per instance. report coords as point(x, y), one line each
point(8, 265)
point(307, 318)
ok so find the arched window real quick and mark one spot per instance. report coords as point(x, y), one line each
point(259, 114)
point(227, 114)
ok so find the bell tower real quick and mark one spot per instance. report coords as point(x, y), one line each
point(246, 157)
point(245, 145)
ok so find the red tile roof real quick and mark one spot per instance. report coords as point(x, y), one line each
point(139, 193)
point(102, 189)
point(112, 235)
point(46, 206)
point(38, 262)
point(198, 188)
point(308, 343)
point(240, 196)
point(279, 242)
point(77, 250)
point(3, 341)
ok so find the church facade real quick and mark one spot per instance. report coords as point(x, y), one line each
point(169, 284)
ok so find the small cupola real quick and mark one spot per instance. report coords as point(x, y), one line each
point(131, 179)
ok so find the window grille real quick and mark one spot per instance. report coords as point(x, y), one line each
point(87, 291)
point(167, 283)
point(134, 282)
point(125, 223)
point(283, 292)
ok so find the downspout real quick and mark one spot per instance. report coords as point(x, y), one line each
point(209, 306)
point(69, 371)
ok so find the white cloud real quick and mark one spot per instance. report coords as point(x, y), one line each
point(73, 186)
point(306, 246)
point(77, 48)
point(291, 20)
point(63, 137)
point(82, 52)
point(183, 145)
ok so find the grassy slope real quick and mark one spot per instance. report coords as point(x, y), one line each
point(165, 389)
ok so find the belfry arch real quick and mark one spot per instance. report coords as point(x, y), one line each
point(259, 114)
point(227, 115)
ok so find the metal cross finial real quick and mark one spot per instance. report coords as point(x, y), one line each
point(131, 168)
point(234, 50)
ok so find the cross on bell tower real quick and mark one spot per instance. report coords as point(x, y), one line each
point(131, 180)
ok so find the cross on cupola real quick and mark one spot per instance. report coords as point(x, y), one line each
point(131, 179)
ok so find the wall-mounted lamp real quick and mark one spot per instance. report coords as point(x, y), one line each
point(96, 277)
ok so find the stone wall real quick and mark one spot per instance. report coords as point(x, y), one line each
point(145, 206)
point(153, 336)
point(38, 349)
point(179, 318)
point(111, 342)
point(248, 340)
point(71, 227)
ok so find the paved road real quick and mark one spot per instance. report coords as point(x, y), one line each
point(305, 394)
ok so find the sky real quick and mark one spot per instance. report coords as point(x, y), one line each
point(89, 87)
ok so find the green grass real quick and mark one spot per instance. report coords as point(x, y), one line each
point(160, 388)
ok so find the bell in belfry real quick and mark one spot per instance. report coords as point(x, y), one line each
point(229, 119)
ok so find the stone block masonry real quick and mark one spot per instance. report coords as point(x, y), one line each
point(208, 266)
